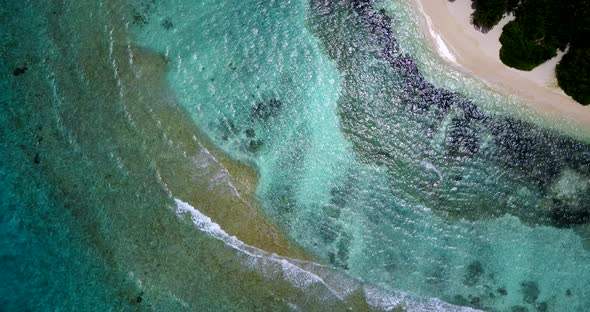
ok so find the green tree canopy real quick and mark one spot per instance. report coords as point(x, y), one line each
point(539, 30)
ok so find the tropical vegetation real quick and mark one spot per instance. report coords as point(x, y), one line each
point(539, 30)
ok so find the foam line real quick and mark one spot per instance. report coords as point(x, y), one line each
point(303, 274)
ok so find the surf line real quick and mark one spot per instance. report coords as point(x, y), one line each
point(303, 274)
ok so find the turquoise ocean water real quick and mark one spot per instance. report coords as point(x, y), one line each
point(406, 183)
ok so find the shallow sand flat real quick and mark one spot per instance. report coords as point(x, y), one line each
point(448, 28)
point(186, 162)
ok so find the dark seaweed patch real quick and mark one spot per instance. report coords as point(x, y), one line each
point(471, 300)
point(519, 308)
point(564, 215)
point(462, 139)
point(530, 291)
point(473, 273)
point(250, 133)
point(340, 250)
point(20, 70)
point(343, 250)
point(139, 19)
point(460, 300)
point(142, 12)
point(138, 299)
point(542, 307)
point(255, 145)
point(167, 24)
point(475, 301)
point(328, 235)
point(265, 109)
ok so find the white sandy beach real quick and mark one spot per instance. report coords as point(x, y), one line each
point(448, 28)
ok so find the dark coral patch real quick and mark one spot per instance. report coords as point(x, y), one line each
point(250, 133)
point(563, 216)
point(502, 291)
point(463, 139)
point(473, 274)
point(530, 291)
point(266, 109)
point(519, 309)
point(20, 70)
point(542, 307)
point(167, 24)
point(255, 145)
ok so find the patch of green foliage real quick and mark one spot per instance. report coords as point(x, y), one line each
point(573, 74)
point(533, 37)
point(520, 52)
point(488, 13)
point(539, 30)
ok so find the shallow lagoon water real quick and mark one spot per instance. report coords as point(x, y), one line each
point(387, 183)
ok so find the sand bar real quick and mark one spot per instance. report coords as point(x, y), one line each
point(447, 27)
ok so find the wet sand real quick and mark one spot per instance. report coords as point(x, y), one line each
point(447, 27)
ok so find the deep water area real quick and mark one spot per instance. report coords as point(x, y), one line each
point(271, 155)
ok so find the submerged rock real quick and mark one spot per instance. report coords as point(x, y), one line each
point(473, 274)
point(250, 133)
point(519, 308)
point(568, 216)
point(20, 70)
point(255, 145)
point(542, 307)
point(167, 24)
point(530, 291)
point(266, 109)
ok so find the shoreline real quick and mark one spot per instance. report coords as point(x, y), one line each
point(232, 204)
point(449, 32)
point(183, 159)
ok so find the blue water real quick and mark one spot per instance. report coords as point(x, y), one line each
point(377, 172)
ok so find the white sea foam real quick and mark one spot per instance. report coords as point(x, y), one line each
point(304, 274)
point(440, 44)
point(431, 167)
point(273, 265)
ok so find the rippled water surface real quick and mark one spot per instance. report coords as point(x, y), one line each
point(302, 155)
